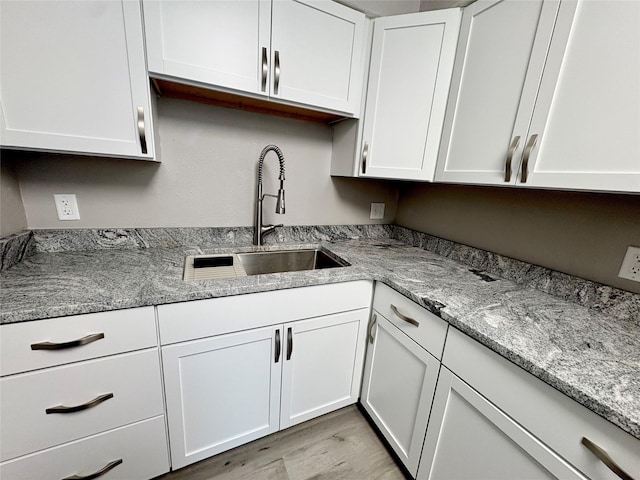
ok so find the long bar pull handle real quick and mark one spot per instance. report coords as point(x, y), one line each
point(289, 343)
point(525, 157)
point(78, 408)
point(365, 154)
point(276, 69)
point(278, 346)
point(372, 323)
point(604, 457)
point(141, 134)
point(512, 148)
point(73, 343)
point(404, 317)
point(108, 467)
point(265, 69)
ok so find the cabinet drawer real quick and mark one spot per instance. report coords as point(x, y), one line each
point(122, 330)
point(552, 417)
point(430, 332)
point(132, 378)
point(142, 447)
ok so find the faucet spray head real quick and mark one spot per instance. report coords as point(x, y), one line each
point(280, 201)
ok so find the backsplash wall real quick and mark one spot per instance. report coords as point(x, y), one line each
point(579, 233)
point(207, 176)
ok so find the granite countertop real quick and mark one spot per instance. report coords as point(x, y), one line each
point(588, 354)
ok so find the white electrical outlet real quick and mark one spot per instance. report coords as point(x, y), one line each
point(630, 268)
point(66, 206)
point(377, 211)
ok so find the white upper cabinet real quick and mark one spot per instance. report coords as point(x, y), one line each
point(546, 94)
point(409, 77)
point(295, 51)
point(501, 53)
point(73, 78)
point(587, 116)
point(216, 43)
point(316, 54)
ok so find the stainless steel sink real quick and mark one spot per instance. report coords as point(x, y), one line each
point(258, 263)
point(207, 267)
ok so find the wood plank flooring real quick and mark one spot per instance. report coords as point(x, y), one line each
point(337, 446)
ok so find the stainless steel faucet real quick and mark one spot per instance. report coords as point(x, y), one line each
point(259, 229)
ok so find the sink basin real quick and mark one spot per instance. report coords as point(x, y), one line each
point(207, 267)
point(259, 263)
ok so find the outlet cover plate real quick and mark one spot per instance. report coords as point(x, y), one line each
point(66, 206)
point(377, 211)
point(630, 268)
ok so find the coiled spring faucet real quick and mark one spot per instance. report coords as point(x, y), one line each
point(259, 229)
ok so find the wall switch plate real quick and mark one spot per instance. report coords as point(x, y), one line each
point(630, 268)
point(66, 206)
point(377, 211)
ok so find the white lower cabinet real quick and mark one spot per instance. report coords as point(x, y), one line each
point(137, 451)
point(470, 438)
point(81, 397)
point(52, 401)
point(405, 343)
point(488, 418)
point(399, 382)
point(322, 365)
point(492, 420)
point(230, 388)
point(221, 392)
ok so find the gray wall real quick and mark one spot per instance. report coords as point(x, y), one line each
point(12, 216)
point(583, 234)
point(207, 176)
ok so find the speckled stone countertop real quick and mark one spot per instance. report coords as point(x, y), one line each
point(590, 354)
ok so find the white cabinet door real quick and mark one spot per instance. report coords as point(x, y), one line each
point(306, 52)
point(501, 53)
point(322, 365)
point(73, 78)
point(587, 116)
point(211, 42)
point(316, 52)
point(221, 392)
point(470, 438)
point(409, 77)
point(397, 390)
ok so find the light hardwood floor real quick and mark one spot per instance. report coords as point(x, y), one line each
point(337, 446)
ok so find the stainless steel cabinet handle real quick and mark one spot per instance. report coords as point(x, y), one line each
point(289, 343)
point(604, 457)
point(276, 70)
point(512, 148)
point(143, 138)
point(78, 408)
point(525, 157)
point(277, 359)
point(372, 322)
point(404, 317)
point(265, 69)
point(99, 473)
point(73, 343)
point(365, 154)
